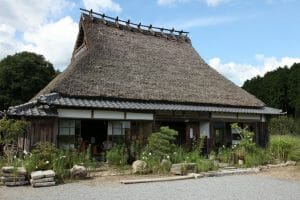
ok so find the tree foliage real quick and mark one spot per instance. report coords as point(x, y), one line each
point(284, 125)
point(10, 129)
point(161, 143)
point(22, 76)
point(279, 88)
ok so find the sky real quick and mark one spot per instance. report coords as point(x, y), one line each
point(239, 38)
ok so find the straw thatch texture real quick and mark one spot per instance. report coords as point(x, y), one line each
point(130, 64)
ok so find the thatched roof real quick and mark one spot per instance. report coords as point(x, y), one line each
point(121, 62)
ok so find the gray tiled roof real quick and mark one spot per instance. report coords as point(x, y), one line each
point(41, 107)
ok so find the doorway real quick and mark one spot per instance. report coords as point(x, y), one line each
point(94, 133)
point(180, 128)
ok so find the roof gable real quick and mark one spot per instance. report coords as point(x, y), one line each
point(115, 61)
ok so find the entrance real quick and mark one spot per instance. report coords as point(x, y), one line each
point(180, 128)
point(93, 132)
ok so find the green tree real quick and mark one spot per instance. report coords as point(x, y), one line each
point(279, 88)
point(22, 76)
point(161, 143)
point(283, 125)
point(10, 129)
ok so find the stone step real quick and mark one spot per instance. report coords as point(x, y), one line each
point(44, 184)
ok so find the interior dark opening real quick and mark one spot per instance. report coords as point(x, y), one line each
point(93, 132)
point(180, 128)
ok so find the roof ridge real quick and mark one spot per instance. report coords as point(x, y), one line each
point(134, 27)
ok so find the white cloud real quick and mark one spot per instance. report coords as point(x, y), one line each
point(38, 26)
point(240, 72)
point(29, 14)
point(54, 40)
point(214, 3)
point(102, 5)
point(8, 44)
point(170, 2)
point(210, 3)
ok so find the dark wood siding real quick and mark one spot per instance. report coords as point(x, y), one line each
point(41, 130)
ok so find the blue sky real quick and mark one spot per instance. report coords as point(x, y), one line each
point(239, 38)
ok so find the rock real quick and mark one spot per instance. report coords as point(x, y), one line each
point(42, 180)
point(196, 176)
point(44, 184)
point(8, 169)
point(42, 174)
point(12, 170)
point(49, 173)
point(290, 163)
point(139, 167)
point(223, 165)
point(10, 179)
point(240, 162)
point(37, 175)
point(183, 168)
point(78, 171)
point(16, 183)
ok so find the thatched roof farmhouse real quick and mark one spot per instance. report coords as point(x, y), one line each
point(125, 81)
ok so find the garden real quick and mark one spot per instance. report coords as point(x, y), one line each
point(159, 156)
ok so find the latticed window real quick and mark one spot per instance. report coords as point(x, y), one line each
point(68, 131)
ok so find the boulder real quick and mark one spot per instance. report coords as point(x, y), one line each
point(8, 169)
point(290, 163)
point(42, 174)
point(37, 175)
point(78, 171)
point(139, 167)
point(183, 168)
point(49, 173)
point(240, 162)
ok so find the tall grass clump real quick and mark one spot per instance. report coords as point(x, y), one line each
point(284, 147)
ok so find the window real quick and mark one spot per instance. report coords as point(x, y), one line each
point(68, 132)
point(116, 131)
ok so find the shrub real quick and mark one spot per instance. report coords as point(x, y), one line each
point(204, 165)
point(285, 147)
point(225, 155)
point(153, 162)
point(281, 146)
point(258, 157)
point(179, 155)
point(10, 129)
point(161, 144)
point(117, 155)
point(193, 156)
point(294, 154)
point(165, 166)
point(46, 156)
point(41, 157)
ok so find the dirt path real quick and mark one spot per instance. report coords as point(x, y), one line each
point(284, 173)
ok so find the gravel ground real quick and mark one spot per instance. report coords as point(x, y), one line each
point(227, 187)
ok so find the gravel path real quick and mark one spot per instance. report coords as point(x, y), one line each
point(227, 187)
